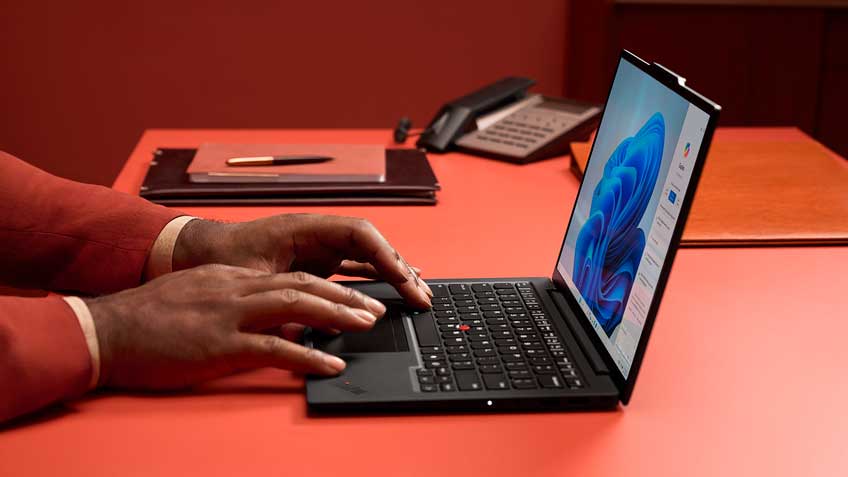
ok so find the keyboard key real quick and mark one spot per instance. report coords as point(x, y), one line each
point(455, 341)
point(487, 300)
point(524, 383)
point(457, 349)
point(477, 337)
point(442, 306)
point(568, 373)
point(489, 307)
point(444, 313)
point(425, 330)
point(502, 285)
point(440, 300)
point(482, 344)
point(478, 287)
point(463, 296)
point(460, 357)
point(501, 334)
point(448, 387)
point(443, 371)
point(484, 294)
point(485, 352)
point(468, 380)
point(495, 381)
point(493, 314)
point(489, 369)
point(424, 372)
point(462, 365)
point(512, 358)
point(574, 383)
point(520, 373)
point(515, 365)
point(433, 357)
point(544, 369)
point(429, 388)
point(463, 303)
point(456, 288)
point(550, 381)
point(540, 360)
point(426, 379)
point(505, 291)
point(488, 360)
point(434, 364)
point(509, 349)
point(452, 334)
point(444, 379)
point(505, 342)
point(439, 289)
point(465, 310)
point(431, 349)
point(451, 320)
point(495, 321)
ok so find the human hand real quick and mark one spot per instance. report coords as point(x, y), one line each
point(322, 245)
point(194, 325)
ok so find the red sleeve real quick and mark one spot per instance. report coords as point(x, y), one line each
point(43, 354)
point(57, 234)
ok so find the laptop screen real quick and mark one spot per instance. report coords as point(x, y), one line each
point(622, 223)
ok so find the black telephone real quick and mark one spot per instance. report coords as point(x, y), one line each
point(503, 121)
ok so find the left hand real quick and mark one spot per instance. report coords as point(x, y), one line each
point(322, 245)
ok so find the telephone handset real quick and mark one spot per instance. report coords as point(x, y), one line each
point(503, 121)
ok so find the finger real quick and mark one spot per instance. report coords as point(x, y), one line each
point(315, 286)
point(350, 268)
point(359, 240)
point(272, 308)
point(272, 351)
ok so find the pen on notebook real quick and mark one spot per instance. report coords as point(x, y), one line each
point(276, 160)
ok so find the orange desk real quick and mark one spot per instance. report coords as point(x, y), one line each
point(745, 373)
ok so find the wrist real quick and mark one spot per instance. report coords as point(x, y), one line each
point(197, 244)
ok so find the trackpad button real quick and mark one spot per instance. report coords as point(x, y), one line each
point(387, 336)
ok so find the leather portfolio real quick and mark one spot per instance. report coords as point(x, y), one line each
point(764, 193)
point(409, 180)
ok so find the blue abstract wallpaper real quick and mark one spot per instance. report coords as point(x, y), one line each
point(618, 200)
point(610, 244)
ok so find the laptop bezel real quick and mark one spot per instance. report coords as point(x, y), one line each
point(677, 85)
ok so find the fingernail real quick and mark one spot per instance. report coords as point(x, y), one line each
point(334, 362)
point(375, 306)
point(365, 315)
point(334, 331)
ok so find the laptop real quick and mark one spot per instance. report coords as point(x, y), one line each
point(575, 340)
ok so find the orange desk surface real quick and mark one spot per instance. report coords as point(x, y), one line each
point(745, 373)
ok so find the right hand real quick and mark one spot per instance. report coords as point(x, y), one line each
point(194, 325)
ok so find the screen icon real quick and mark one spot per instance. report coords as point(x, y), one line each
point(672, 196)
point(686, 150)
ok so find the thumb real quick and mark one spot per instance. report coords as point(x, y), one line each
point(272, 351)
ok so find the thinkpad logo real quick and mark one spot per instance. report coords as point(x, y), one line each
point(349, 387)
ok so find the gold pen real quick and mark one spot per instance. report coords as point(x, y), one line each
point(276, 160)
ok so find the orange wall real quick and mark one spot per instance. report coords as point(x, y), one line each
point(80, 81)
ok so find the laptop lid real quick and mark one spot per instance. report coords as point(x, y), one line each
point(629, 214)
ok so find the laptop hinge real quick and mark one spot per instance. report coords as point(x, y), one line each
point(583, 341)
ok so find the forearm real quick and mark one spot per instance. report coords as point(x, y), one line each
point(61, 235)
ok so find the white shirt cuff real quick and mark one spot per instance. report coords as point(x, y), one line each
point(161, 257)
point(87, 324)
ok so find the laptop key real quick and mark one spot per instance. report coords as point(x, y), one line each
point(424, 372)
point(516, 365)
point(495, 381)
point(431, 349)
point(520, 373)
point(460, 357)
point(481, 287)
point(463, 365)
point(439, 289)
point(550, 381)
point(457, 288)
point(467, 380)
point(443, 371)
point(425, 329)
point(544, 369)
point(444, 379)
point(491, 368)
point(524, 383)
point(540, 360)
point(574, 383)
point(448, 387)
point(426, 379)
point(488, 360)
point(512, 358)
point(457, 349)
point(503, 285)
point(484, 352)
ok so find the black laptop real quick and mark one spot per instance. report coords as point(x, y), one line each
point(572, 341)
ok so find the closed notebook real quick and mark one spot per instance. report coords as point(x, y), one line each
point(350, 163)
point(409, 181)
point(757, 192)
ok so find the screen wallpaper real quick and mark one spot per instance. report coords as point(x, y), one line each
point(628, 204)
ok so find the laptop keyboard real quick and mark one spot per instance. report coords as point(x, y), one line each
point(493, 336)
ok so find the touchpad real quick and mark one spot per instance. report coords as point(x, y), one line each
point(387, 336)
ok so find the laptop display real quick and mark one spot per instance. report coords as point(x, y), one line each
point(627, 207)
